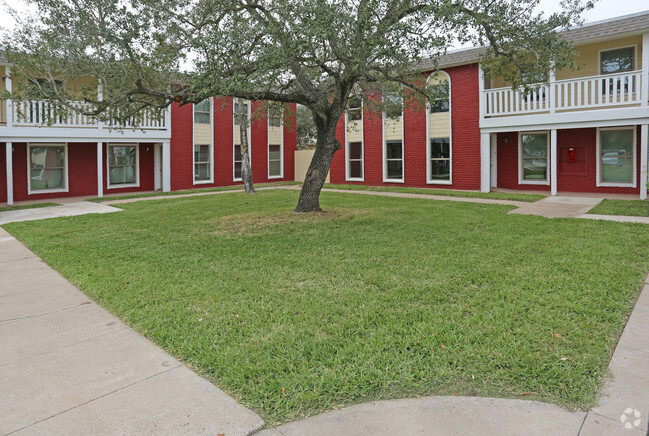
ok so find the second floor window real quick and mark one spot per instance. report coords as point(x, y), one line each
point(355, 109)
point(202, 112)
point(617, 61)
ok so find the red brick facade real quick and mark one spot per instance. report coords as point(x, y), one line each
point(465, 140)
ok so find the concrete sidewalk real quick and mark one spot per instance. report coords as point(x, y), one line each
point(67, 209)
point(67, 366)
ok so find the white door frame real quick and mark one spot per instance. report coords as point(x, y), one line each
point(157, 167)
point(494, 161)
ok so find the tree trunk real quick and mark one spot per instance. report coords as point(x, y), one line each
point(326, 146)
point(246, 170)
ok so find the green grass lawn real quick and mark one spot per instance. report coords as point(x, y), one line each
point(622, 207)
point(27, 206)
point(378, 298)
point(446, 192)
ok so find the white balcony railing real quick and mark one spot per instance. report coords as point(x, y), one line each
point(40, 113)
point(596, 92)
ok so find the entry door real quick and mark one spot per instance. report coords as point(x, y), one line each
point(494, 161)
point(157, 167)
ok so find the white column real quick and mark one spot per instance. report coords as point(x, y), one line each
point(644, 82)
point(166, 166)
point(552, 96)
point(9, 103)
point(485, 162)
point(481, 100)
point(10, 173)
point(644, 155)
point(100, 169)
point(553, 161)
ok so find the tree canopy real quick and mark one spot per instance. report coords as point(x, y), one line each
point(317, 53)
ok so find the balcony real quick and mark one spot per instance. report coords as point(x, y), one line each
point(562, 96)
point(36, 118)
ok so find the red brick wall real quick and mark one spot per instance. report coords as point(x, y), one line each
point(182, 147)
point(583, 179)
point(465, 139)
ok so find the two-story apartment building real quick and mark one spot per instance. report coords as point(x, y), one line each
point(584, 131)
point(46, 154)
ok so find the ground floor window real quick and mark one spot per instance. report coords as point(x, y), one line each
point(440, 159)
point(274, 160)
point(122, 165)
point(47, 167)
point(355, 160)
point(202, 162)
point(394, 160)
point(616, 154)
point(534, 158)
point(237, 161)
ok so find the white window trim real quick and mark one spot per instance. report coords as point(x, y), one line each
point(348, 178)
point(548, 176)
point(403, 157)
point(29, 173)
point(281, 147)
point(635, 57)
point(211, 145)
point(429, 180)
point(634, 159)
point(234, 127)
point(137, 165)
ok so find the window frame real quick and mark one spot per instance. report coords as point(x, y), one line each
point(429, 179)
point(521, 160)
point(281, 147)
point(635, 58)
point(211, 145)
point(208, 112)
point(209, 164)
point(235, 126)
point(66, 187)
point(386, 179)
point(135, 184)
point(430, 160)
point(348, 177)
point(634, 158)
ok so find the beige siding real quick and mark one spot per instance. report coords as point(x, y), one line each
point(202, 134)
point(302, 162)
point(354, 131)
point(439, 125)
point(393, 129)
point(274, 135)
point(82, 85)
point(237, 134)
point(589, 57)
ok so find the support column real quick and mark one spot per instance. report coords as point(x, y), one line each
point(644, 81)
point(10, 172)
point(644, 155)
point(100, 169)
point(485, 162)
point(166, 166)
point(8, 102)
point(553, 161)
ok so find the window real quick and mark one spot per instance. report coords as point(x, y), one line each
point(202, 112)
point(440, 159)
point(237, 111)
point(618, 60)
point(394, 160)
point(274, 160)
point(355, 109)
point(616, 150)
point(122, 165)
point(355, 160)
point(237, 161)
point(202, 162)
point(274, 117)
point(47, 168)
point(534, 157)
point(440, 104)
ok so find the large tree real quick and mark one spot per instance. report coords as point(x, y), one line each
point(317, 53)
